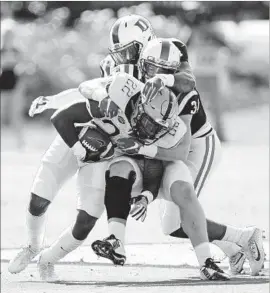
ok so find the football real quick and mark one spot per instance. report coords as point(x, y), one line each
point(96, 141)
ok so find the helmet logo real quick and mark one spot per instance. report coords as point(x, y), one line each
point(142, 25)
point(121, 119)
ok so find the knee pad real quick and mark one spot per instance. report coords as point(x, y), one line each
point(84, 224)
point(38, 205)
point(118, 194)
point(121, 169)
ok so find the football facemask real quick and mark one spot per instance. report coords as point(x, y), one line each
point(128, 54)
point(146, 127)
point(150, 69)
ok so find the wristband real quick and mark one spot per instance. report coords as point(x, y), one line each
point(148, 151)
point(167, 79)
point(149, 195)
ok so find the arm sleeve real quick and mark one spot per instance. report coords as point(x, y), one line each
point(64, 98)
point(64, 121)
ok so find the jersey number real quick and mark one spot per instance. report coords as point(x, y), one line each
point(195, 106)
point(142, 25)
point(129, 87)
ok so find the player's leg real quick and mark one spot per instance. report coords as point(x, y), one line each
point(58, 164)
point(202, 160)
point(90, 183)
point(177, 186)
point(203, 157)
point(123, 174)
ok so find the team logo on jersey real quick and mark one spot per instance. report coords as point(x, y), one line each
point(121, 119)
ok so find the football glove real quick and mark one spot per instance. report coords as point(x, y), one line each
point(151, 89)
point(108, 108)
point(38, 106)
point(139, 207)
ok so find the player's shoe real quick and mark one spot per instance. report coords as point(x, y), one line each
point(110, 248)
point(22, 260)
point(255, 252)
point(237, 262)
point(46, 271)
point(212, 272)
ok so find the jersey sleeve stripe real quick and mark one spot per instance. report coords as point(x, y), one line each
point(185, 100)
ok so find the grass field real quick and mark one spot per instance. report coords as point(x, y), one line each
point(238, 194)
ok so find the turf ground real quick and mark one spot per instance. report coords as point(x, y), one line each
point(237, 194)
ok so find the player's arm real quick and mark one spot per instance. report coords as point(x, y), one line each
point(178, 152)
point(57, 101)
point(184, 80)
point(65, 120)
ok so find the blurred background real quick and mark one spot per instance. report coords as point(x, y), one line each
point(54, 46)
point(47, 47)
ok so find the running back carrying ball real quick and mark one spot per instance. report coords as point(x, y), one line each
point(97, 144)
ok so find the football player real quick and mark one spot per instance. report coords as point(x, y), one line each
point(65, 121)
point(59, 163)
point(159, 134)
point(160, 59)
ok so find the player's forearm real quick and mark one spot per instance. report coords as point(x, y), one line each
point(178, 153)
point(184, 80)
point(64, 121)
point(64, 98)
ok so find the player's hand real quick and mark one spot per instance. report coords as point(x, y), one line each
point(139, 207)
point(108, 108)
point(79, 152)
point(38, 106)
point(129, 145)
point(151, 89)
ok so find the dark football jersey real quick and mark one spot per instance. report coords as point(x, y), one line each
point(191, 104)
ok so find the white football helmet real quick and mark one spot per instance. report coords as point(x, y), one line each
point(128, 36)
point(153, 120)
point(160, 55)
